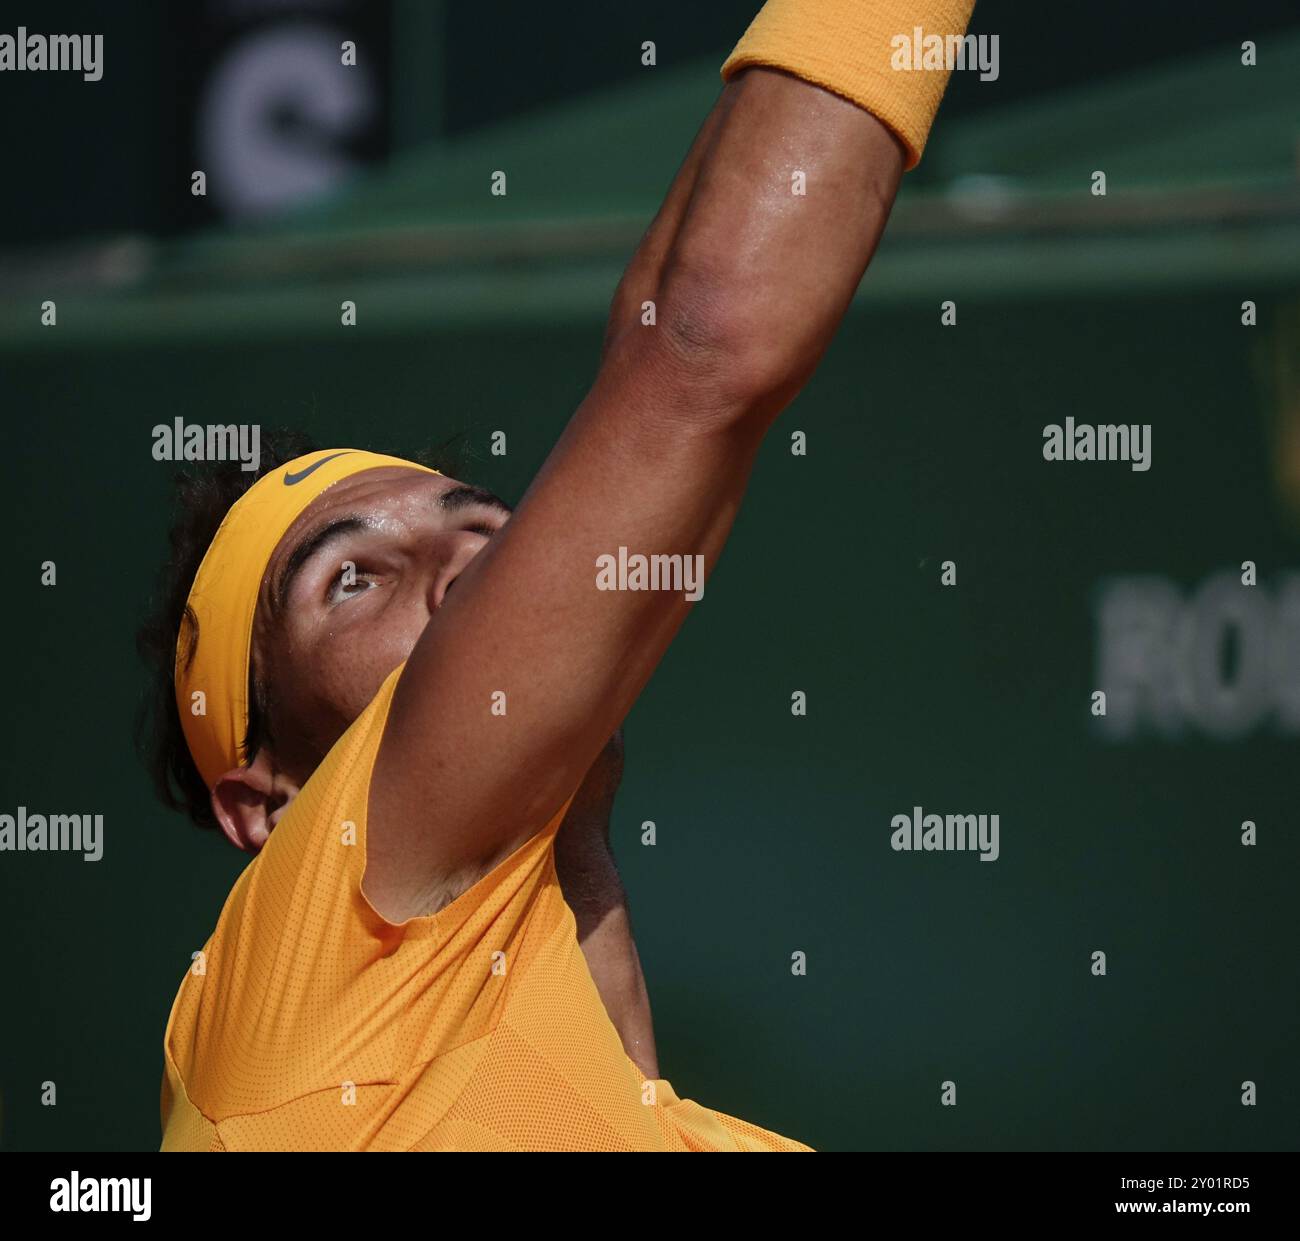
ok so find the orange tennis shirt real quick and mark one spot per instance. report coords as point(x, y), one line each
point(310, 1022)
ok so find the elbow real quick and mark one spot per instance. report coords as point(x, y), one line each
point(725, 347)
point(739, 342)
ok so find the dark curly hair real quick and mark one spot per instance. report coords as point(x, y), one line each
point(202, 497)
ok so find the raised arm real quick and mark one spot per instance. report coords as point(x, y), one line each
point(750, 278)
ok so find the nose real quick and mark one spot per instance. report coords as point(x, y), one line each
point(458, 548)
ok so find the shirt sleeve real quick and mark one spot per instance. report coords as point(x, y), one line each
point(308, 987)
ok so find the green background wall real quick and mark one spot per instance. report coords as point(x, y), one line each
point(923, 446)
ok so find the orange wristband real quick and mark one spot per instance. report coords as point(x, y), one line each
point(856, 49)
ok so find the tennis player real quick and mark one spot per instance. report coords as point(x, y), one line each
point(405, 700)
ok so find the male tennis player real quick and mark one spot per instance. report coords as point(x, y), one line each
point(403, 702)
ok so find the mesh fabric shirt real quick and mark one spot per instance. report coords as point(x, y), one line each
point(311, 1022)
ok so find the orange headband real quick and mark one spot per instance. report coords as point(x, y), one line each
point(212, 692)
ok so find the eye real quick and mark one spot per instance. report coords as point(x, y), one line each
point(348, 583)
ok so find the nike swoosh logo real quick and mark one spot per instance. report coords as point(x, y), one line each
point(290, 479)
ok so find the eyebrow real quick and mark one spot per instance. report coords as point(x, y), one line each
point(465, 496)
point(305, 550)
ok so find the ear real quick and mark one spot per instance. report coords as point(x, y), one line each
point(249, 801)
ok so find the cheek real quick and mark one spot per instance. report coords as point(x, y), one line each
point(353, 660)
point(325, 676)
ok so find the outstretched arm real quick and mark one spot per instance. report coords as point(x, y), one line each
point(750, 279)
